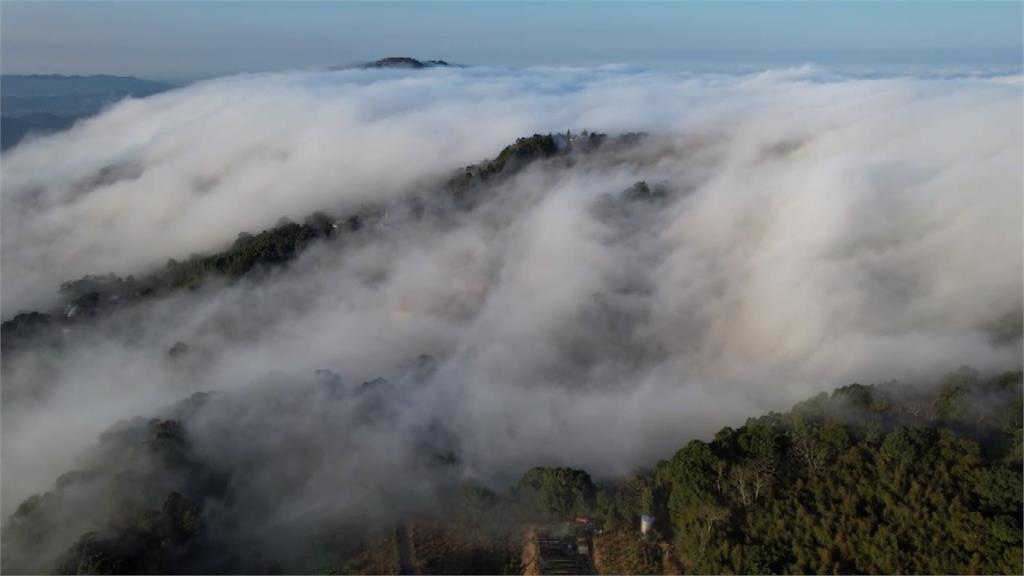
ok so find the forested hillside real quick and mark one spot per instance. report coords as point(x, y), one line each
point(870, 479)
point(345, 446)
point(99, 295)
point(873, 479)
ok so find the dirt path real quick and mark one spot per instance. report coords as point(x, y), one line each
point(406, 565)
point(547, 553)
point(531, 553)
point(669, 563)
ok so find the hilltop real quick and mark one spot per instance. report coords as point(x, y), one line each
point(330, 468)
point(397, 62)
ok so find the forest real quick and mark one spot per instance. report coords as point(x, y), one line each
point(885, 478)
point(893, 477)
point(99, 295)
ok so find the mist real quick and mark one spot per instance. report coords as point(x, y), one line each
point(809, 230)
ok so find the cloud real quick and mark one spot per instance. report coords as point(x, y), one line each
point(814, 230)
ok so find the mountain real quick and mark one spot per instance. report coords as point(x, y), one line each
point(331, 473)
point(14, 128)
point(870, 479)
point(405, 62)
point(48, 103)
point(398, 62)
point(96, 296)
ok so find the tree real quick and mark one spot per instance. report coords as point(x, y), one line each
point(807, 446)
point(690, 475)
point(742, 477)
point(710, 516)
point(558, 492)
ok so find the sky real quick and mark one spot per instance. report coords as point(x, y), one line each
point(182, 41)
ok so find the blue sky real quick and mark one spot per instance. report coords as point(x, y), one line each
point(188, 40)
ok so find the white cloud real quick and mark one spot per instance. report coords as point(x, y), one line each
point(820, 230)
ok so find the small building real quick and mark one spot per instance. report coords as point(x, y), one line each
point(646, 524)
point(582, 548)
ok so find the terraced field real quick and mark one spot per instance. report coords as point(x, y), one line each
point(620, 552)
point(378, 558)
point(447, 550)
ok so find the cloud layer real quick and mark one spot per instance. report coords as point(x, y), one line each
point(814, 230)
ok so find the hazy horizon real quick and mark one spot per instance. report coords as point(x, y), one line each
point(185, 41)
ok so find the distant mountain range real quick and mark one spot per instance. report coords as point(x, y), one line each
point(48, 103)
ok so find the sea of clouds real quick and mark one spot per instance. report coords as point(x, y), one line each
point(818, 230)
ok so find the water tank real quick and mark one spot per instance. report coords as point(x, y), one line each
point(646, 524)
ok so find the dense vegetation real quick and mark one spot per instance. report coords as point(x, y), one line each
point(156, 488)
point(266, 249)
point(874, 479)
point(96, 295)
point(881, 479)
point(93, 295)
point(871, 479)
point(466, 186)
point(404, 62)
point(511, 158)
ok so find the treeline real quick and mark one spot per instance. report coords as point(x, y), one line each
point(510, 159)
point(885, 478)
point(872, 479)
point(156, 491)
point(95, 295)
point(466, 187)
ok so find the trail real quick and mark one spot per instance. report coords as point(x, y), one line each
point(406, 565)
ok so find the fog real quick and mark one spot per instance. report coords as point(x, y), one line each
point(814, 230)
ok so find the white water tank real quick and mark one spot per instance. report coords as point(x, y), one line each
point(646, 524)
